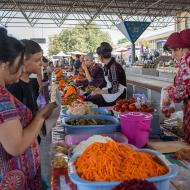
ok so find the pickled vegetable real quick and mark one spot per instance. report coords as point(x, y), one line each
point(85, 121)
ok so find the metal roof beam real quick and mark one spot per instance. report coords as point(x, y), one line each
point(114, 9)
point(86, 11)
point(23, 13)
point(67, 13)
point(155, 3)
point(99, 11)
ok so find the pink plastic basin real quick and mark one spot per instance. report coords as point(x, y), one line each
point(136, 127)
point(75, 139)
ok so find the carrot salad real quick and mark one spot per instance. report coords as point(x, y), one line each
point(112, 161)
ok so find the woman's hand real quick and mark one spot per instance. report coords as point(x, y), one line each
point(84, 67)
point(46, 111)
point(166, 101)
point(98, 91)
point(95, 92)
point(15, 139)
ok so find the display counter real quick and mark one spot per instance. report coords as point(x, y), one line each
point(60, 179)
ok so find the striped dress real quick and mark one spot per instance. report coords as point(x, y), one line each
point(18, 172)
point(180, 91)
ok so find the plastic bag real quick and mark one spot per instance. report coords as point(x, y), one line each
point(140, 98)
point(166, 104)
point(41, 102)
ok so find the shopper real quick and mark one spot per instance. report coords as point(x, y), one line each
point(19, 154)
point(77, 64)
point(24, 90)
point(45, 79)
point(94, 74)
point(114, 76)
point(179, 46)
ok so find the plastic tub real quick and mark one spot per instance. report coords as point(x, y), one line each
point(136, 127)
point(161, 182)
point(71, 140)
point(96, 111)
point(92, 129)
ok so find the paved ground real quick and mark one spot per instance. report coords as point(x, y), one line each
point(45, 147)
point(45, 157)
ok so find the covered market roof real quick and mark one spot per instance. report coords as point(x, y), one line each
point(106, 13)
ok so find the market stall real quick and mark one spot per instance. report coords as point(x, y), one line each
point(84, 133)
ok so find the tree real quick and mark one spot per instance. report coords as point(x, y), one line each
point(78, 39)
point(123, 40)
point(145, 43)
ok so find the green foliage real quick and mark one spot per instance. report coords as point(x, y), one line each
point(78, 39)
point(144, 42)
point(123, 40)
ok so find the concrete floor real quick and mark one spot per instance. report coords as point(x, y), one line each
point(45, 158)
point(45, 144)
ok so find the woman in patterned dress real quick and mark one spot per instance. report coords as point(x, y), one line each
point(19, 154)
point(179, 46)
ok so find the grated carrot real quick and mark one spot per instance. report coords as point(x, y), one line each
point(112, 161)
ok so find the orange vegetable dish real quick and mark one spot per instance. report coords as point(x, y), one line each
point(77, 77)
point(70, 90)
point(58, 72)
point(112, 161)
point(61, 84)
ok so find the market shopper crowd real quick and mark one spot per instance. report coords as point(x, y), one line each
point(24, 97)
point(20, 123)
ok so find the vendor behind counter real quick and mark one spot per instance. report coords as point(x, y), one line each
point(94, 74)
point(114, 76)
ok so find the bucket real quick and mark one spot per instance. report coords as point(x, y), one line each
point(136, 127)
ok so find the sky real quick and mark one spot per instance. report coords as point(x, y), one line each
point(21, 33)
point(27, 33)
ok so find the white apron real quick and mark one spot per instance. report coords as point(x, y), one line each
point(112, 97)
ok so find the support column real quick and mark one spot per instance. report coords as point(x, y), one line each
point(133, 52)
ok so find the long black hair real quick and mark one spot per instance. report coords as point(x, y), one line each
point(10, 48)
point(31, 47)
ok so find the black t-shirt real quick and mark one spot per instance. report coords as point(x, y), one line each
point(46, 77)
point(24, 92)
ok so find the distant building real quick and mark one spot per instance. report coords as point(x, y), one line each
point(157, 41)
point(183, 21)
